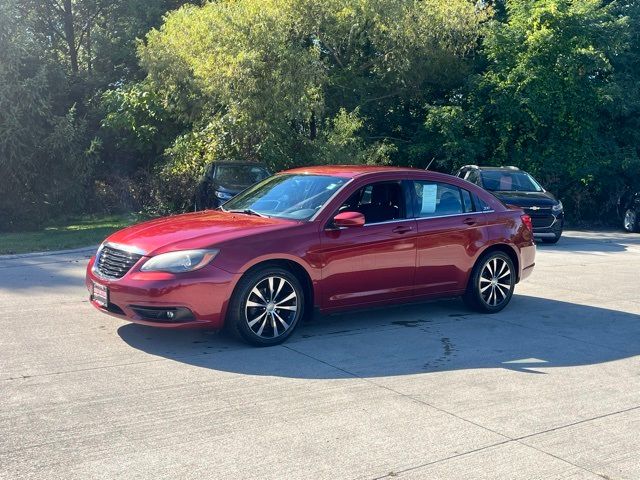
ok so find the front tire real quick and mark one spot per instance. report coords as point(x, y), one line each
point(557, 232)
point(630, 221)
point(491, 284)
point(553, 240)
point(266, 306)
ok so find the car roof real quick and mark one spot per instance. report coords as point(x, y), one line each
point(350, 171)
point(494, 169)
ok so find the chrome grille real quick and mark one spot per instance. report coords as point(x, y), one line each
point(538, 210)
point(541, 217)
point(115, 263)
point(543, 221)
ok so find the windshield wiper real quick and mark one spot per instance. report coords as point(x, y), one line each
point(249, 211)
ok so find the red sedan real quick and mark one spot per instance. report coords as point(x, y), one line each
point(327, 237)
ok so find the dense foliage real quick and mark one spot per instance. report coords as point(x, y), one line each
point(558, 96)
point(106, 104)
point(56, 57)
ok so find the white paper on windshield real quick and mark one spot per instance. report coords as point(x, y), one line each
point(429, 197)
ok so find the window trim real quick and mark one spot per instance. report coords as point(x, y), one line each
point(397, 220)
point(454, 215)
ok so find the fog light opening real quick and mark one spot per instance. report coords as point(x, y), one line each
point(163, 314)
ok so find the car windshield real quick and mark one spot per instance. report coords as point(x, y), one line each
point(297, 197)
point(504, 181)
point(239, 174)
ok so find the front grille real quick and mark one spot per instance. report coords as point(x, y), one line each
point(539, 211)
point(541, 218)
point(115, 263)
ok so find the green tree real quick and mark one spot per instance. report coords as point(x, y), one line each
point(43, 165)
point(56, 56)
point(546, 100)
point(293, 82)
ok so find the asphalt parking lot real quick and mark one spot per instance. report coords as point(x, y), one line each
point(547, 389)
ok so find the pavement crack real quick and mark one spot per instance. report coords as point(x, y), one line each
point(579, 422)
point(507, 438)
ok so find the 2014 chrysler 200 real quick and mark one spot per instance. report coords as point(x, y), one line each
point(329, 237)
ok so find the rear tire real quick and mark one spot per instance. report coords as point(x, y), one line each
point(630, 221)
point(266, 306)
point(491, 284)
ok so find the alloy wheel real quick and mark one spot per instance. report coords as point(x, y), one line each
point(495, 282)
point(629, 220)
point(271, 307)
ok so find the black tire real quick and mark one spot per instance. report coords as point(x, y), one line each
point(483, 280)
point(630, 221)
point(557, 232)
point(554, 239)
point(265, 325)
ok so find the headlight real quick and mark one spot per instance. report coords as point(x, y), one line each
point(177, 262)
point(557, 208)
point(223, 195)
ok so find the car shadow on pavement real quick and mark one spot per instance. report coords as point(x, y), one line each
point(532, 336)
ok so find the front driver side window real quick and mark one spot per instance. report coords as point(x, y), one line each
point(378, 202)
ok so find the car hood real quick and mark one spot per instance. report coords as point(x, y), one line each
point(527, 199)
point(194, 230)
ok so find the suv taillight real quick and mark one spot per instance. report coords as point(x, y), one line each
point(526, 219)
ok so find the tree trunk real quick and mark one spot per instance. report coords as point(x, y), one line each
point(70, 35)
point(313, 127)
point(89, 64)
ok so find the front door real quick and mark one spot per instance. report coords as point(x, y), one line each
point(374, 262)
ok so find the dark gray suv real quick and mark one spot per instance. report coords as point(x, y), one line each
point(224, 180)
point(516, 187)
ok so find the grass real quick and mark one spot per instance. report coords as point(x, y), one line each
point(74, 233)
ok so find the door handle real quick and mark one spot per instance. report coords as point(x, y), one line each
point(469, 221)
point(404, 229)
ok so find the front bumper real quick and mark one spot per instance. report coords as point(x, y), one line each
point(547, 225)
point(204, 293)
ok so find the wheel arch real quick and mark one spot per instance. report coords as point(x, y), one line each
point(296, 268)
point(506, 249)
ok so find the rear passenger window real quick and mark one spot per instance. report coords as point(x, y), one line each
point(481, 205)
point(434, 199)
point(467, 203)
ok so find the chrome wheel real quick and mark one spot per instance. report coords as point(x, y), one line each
point(629, 220)
point(271, 307)
point(495, 282)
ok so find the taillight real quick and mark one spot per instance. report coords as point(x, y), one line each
point(526, 219)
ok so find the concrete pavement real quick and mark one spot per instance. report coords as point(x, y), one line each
point(547, 389)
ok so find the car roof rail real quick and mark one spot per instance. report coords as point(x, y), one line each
point(511, 167)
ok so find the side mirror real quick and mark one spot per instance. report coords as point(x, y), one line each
point(348, 219)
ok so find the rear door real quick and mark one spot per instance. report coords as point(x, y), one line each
point(450, 230)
